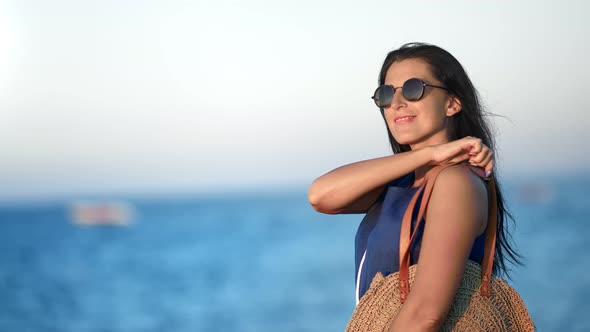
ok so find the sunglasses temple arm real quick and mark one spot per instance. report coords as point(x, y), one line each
point(437, 86)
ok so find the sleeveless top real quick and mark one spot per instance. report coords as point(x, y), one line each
point(377, 237)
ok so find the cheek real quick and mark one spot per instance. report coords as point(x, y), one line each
point(431, 116)
point(389, 119)
point(436, 115)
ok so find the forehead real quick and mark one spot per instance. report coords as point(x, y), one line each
point(400, 71)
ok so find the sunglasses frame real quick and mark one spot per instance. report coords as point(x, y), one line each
point(423, 83)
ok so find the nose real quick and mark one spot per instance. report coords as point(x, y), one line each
point(398, 100)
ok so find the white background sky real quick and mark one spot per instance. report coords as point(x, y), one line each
point(107, 96)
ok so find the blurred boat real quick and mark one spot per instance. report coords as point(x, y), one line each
point(90, 213)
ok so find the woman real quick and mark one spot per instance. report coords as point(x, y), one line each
point(433, 116)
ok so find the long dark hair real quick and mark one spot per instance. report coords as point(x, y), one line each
point(471, 121)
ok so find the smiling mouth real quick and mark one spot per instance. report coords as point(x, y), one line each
point(404, 119)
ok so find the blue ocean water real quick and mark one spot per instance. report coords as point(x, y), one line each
point(253, 262)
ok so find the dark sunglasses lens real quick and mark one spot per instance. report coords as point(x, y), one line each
point(413, 89)
point(383, 96)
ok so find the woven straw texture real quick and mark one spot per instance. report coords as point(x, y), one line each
point(504, 310)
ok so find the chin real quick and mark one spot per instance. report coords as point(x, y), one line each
point(405, 140)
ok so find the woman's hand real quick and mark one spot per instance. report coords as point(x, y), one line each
point(467, 148)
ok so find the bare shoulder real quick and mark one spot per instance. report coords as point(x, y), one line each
point(459, 191)
point(459, 179)
point(456, 215)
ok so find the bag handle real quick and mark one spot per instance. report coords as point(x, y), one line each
point(406, 240)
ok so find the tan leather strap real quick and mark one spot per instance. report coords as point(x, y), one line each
point(406, 238)
point(404, 243)
point(487, 262)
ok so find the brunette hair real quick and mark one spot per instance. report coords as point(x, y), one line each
point(471, 121)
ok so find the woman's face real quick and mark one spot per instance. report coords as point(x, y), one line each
point(423, 122)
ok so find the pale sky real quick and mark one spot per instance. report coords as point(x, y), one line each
point(148, 96)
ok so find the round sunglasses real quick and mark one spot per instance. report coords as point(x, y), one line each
point(412, 90)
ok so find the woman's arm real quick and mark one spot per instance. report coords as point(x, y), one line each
point(355, 187)
point(456, 215)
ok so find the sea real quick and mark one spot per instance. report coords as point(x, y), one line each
point(253, 261)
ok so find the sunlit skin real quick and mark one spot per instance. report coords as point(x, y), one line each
point(457, 209)
point(431, 112)
point(455, 217)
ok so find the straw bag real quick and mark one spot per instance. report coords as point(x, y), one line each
point(482, 302)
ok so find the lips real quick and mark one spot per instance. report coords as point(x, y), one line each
point(403, 119)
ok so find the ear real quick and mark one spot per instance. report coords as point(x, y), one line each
point(453, 106)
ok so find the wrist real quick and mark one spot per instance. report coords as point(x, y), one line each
point(425, 156)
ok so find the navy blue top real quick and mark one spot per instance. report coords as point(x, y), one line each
point(379, 232)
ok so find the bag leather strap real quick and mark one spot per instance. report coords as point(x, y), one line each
point(406, 238)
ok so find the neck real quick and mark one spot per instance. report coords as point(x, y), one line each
point(437, 138)
point(420, 172)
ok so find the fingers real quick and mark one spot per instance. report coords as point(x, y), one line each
point(485, 171)
point(489, 158)
point(471, 144)
point(480, 155)
point(468, 148)
point(489, 168)
point(475, 144)
point(459, 158)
